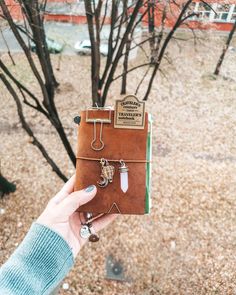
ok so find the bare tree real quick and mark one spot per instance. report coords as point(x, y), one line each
point(161, 45)
point(117, 40)
point(33, 29)
point(124, 19)
point(224, 51)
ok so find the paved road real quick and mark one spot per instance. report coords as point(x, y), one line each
point(64, 33)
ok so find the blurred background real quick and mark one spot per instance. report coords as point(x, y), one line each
point(60, 57)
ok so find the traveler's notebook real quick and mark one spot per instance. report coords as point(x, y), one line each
point(116, 159)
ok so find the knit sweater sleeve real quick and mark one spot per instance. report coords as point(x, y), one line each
point(38, 265)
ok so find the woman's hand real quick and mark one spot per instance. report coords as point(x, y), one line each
point(60, 214)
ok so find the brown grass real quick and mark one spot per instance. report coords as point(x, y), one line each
point(187, 244)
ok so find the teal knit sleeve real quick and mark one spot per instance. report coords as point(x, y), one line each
point(38, 265)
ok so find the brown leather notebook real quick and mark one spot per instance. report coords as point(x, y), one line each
point(129, 145)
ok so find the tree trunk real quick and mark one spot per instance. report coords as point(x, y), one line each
point(126, 57)
point(151, 29)
point(225, 48)
point(6, 187)
point(125, 68)
point(95, 52)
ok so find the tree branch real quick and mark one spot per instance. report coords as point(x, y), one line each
point(29, 131)
point(23, 46)
point(141, 81)
point(119, 51)
point(44, 58)
point(177, 24)
point(21, 86)
point(130, 70)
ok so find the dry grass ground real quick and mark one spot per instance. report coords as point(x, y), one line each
point(187, 244)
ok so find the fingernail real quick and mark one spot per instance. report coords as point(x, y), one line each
point(90, 188)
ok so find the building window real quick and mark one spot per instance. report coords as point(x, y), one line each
point(214, 12)
point(191, 9)
point(222, 12)
point(232, 13)
point(204, 11)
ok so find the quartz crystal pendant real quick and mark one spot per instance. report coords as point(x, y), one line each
point(124, 182)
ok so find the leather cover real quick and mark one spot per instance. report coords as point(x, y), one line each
point(126, 144)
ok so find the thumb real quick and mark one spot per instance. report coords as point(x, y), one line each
point(76, 199)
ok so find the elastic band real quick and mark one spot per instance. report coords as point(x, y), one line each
point(112, 160)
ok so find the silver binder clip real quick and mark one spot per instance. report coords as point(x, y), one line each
point(97, 119)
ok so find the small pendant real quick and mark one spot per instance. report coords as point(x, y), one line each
point(93, 238)
point(85, 231)
point(107, 173)
point(124, 182)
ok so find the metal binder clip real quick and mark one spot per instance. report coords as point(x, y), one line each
point(95, 120)
point(95, 137)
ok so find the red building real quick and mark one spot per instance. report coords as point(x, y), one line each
point(216, 15)
point(14, 8)
point(221, 17)
point(56, 10)
point(66, 11)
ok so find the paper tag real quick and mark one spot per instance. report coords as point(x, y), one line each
point(129, 113)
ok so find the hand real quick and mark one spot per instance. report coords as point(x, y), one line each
point(60, 214)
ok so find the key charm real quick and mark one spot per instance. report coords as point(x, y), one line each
point(124, 182)
point(106, 174)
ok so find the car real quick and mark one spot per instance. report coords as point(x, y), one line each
point(84, 48)
point(53, 46)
